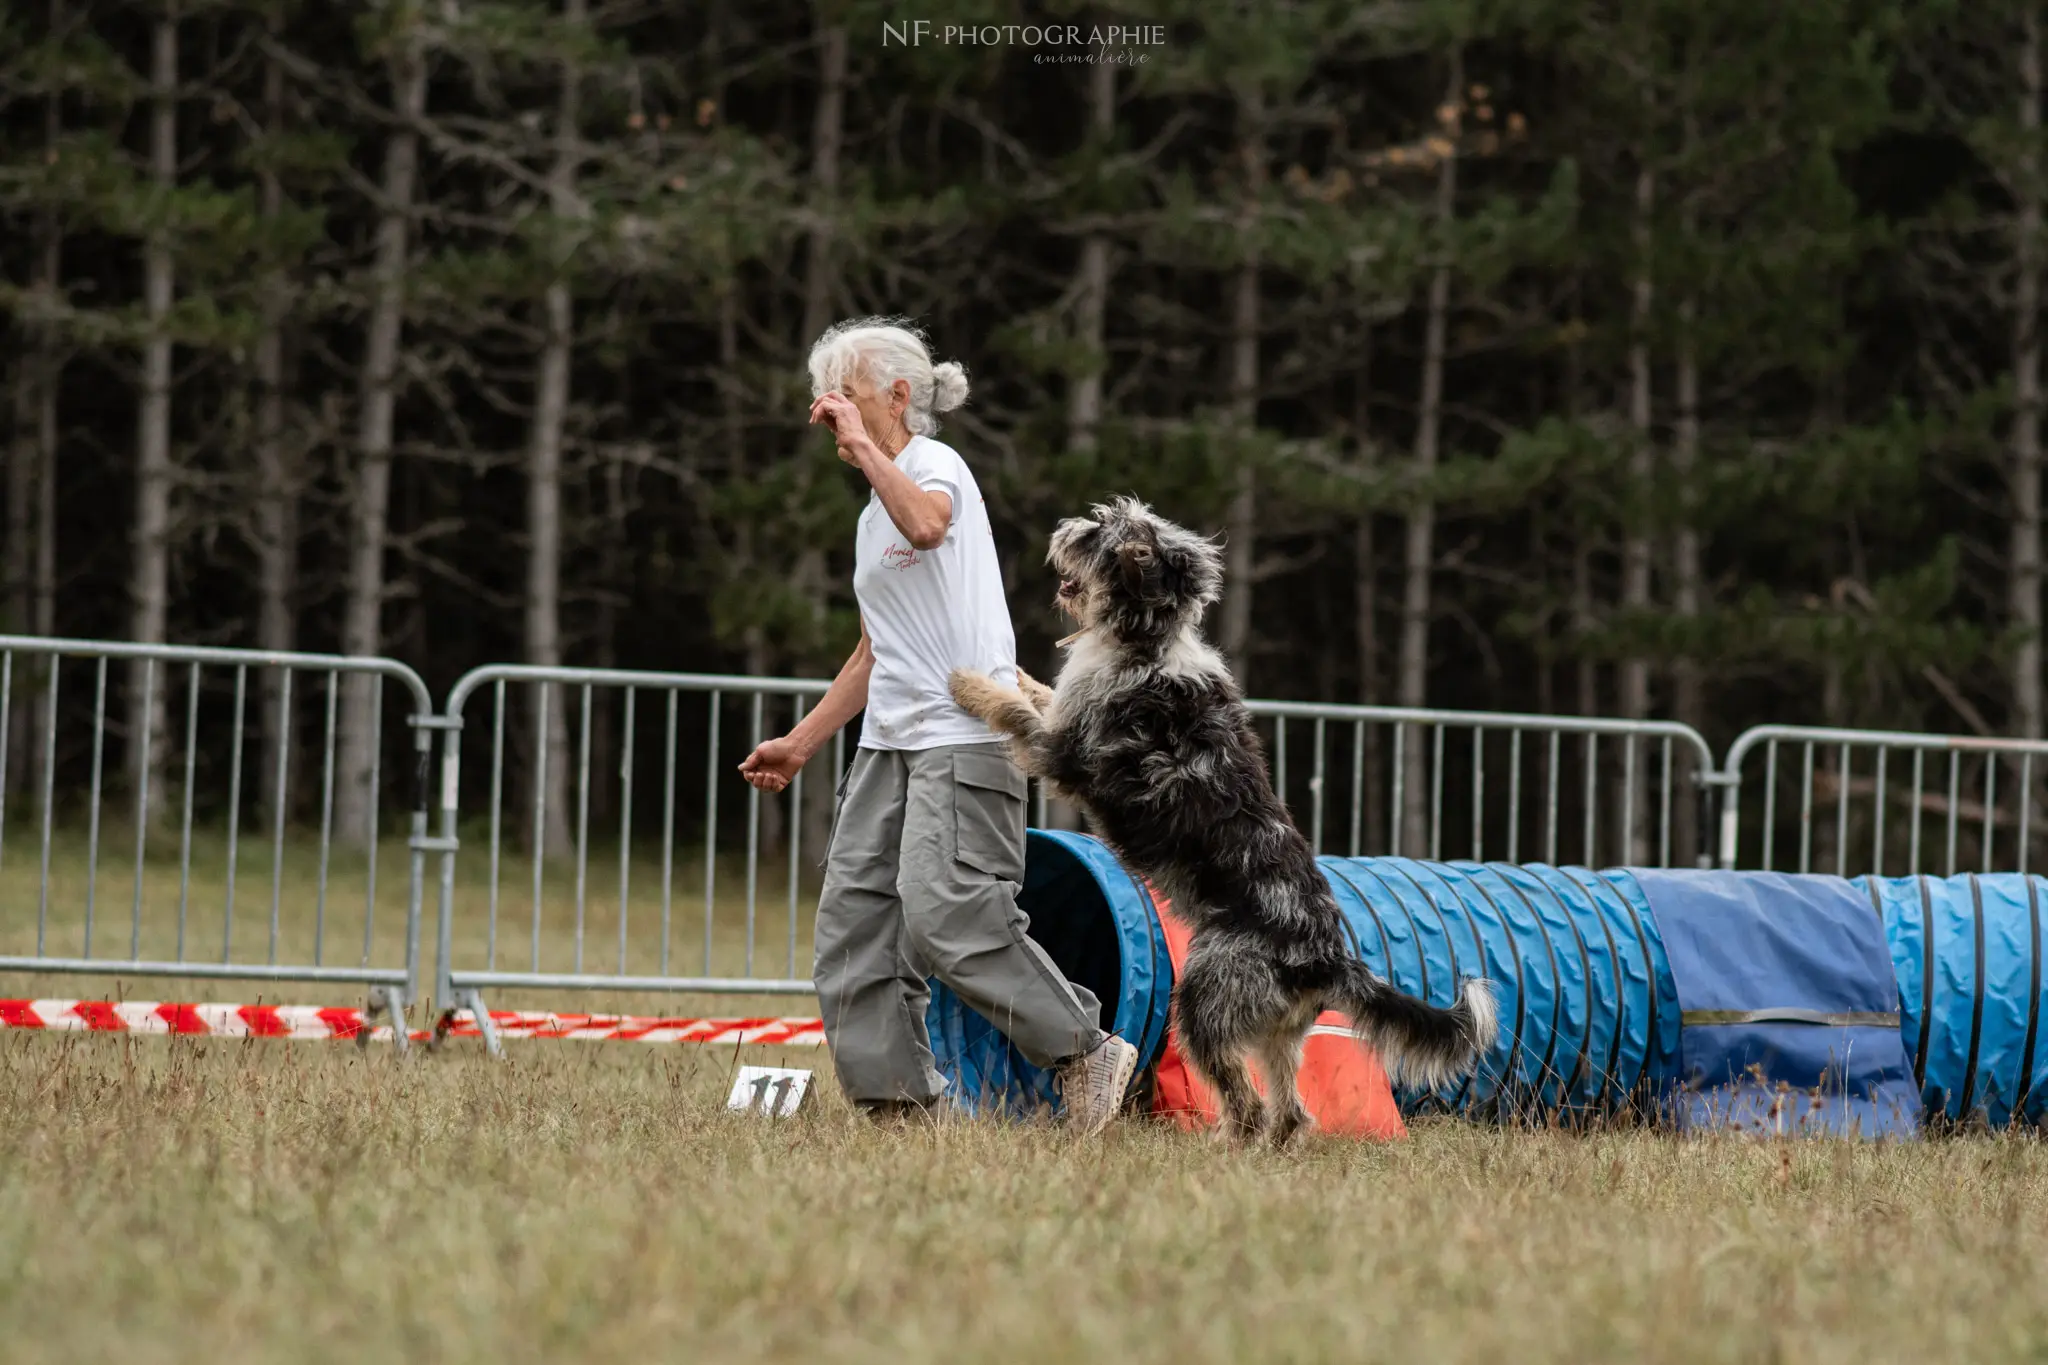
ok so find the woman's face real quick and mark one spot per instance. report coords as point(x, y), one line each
point(881, 409)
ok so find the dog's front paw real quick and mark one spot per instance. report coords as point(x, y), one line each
point(975, 693)
point(1035, 692)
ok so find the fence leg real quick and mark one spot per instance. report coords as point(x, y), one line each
point(484, 1023)
point(473, 1001)
point(390, 1002)
point(1707, 849)
point(1728, 784)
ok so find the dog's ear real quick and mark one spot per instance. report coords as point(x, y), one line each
point(1190, 567)
point(1138, 562)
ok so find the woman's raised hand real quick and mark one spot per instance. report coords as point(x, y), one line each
point(836, 410)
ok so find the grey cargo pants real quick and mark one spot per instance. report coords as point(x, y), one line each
point(921, 881)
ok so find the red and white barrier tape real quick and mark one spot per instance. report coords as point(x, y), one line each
point(625, 1028)
point(307, 1021)
point(217, 1021)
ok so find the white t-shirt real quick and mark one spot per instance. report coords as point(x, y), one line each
point(929, 612)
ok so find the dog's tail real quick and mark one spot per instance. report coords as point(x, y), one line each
point(1420, 1044)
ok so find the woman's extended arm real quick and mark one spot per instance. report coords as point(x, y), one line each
point(774, 763)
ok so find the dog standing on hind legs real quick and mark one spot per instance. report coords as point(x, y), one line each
point(1146, 730)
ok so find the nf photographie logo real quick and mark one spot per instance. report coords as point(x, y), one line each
point(1119, 43)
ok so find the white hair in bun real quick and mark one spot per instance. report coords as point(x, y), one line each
point(885, 350)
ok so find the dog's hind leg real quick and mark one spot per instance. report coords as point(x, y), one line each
point(1243, 1113)
point(1220, 1003)
point(1279, 1054)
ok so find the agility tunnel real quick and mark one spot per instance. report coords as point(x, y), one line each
point(1101, 925)
point(1967, 954)
point(1757, 1001)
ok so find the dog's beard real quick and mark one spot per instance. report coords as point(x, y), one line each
point(1071, 608)
point(1072, 601)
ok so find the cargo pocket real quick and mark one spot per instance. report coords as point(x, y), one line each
point(988, 812)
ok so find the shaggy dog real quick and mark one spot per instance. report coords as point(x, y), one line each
point(1147, 732)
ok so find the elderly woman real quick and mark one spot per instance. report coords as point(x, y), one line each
point(928, 850)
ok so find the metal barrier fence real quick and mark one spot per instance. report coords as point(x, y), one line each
point(175, 806)
point(1463, 784)
point(1883, 802)
point(661, 736)
point(612, 845)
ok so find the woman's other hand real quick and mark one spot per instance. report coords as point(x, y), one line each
point(774, 763)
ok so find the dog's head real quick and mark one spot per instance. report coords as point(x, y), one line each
point(1132, 572)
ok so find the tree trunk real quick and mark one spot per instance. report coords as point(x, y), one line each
point(150, 581)
point(1418, 551)
point(1827, 767)
point(37, 465)
point(821, 287)
point(2024, 584)
point(1579, 620)
point(35, 411)
point(544, 465)
point(1365, 608)
point(1586, 677)
point(1084, 399)
point(1091, 304)
point(1688, 694)
point(22, 460)
point(1634, 686)
point(828, 136)
point(362, 627)
point(22, 464)
point(277, 475)
point(42, 601)
point(32, 467)
point(1091, 333)
point(607, 723)
point(45, 619)
point(1241, 522)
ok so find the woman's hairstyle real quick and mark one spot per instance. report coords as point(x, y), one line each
point(885, 350)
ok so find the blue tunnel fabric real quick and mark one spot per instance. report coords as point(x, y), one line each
point(1099, 924)
point(1594, 972)
point(1649, 1027)
point(1967, 954)
point(1791, 1005)
point(1589, 1019)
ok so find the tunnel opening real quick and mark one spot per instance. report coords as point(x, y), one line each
point(1072, 919)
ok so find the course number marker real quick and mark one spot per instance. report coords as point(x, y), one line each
point(771, 1091)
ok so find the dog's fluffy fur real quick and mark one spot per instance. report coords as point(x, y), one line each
point(1147, 731)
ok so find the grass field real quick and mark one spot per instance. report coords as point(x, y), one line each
point(262, 1201)
point(180, 1199)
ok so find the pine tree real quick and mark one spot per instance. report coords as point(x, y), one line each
point(394, 37)
point(1978, 256)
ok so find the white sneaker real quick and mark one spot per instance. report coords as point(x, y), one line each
point(1092, 1086)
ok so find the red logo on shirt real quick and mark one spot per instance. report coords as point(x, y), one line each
point(900, 556)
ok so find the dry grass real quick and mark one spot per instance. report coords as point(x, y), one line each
point(175, 1201)
point(172, 1200)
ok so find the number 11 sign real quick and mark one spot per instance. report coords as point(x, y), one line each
point(770, 1091)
